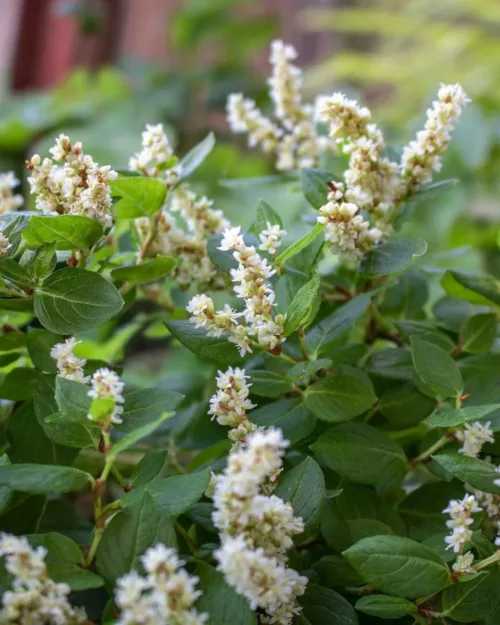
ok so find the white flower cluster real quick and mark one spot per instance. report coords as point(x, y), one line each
point(35, 599)
point(423, 155)
point(256, 529)
point(165, 595)
point(491, 505)
point(79, 187)
point(460, 512)
point(293, 138)
point(345, 228)
point(251, 278)
point(106, 384)
point(4, 244)
point(371, 178)
point(229, 405)
point(157, 156)
point(473, 437)
point(9, 201)
point(69, 366)
point(162, 235)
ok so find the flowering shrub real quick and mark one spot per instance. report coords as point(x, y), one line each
point(336, 464)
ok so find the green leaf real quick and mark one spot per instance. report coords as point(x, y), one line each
point(146, 405)
point(320, 337)
point(11, 270)
point(136, 435)
point(40, 342)
point(336, 572)
point(12, 341)
point(265, 215)
point(302, 305)
point(407, 297)
point(148, 467)
point(72, 398)
point(478, 333)
point(405, 405)
point(307, 368)
point(24, 305)
point(422, 509)
point(78, 579)
point(195, 157)
point(28, 439)
point(399, 566)
point(340, 397)
point(217, 350)
point(67, 232)
point(43, 478)
point(385, 606)
point(457, 416)
point(477, 473)
point(13, 231)
point(323, 605)
point(42, 262)
point(174, 494)
point(347, 517)
point(426, 332)
point(130, 533)
point(74, 300)
point(18, 384)
point(477, 289)
point(268, 383)
point(221, 602)
point(392, 256)
point(437, 372)
point(433, 189)
point(6, 493)
point(139, 197)
point(315, 186)
point(304, 487)
point(145, 272)
point(63, 547)
point(354, 449)
point(472, 600)
point(299, 245)
point(290, 415)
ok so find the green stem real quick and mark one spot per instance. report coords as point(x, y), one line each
point(491, 560)
point(119, 477)
point(190, 541)
point(302, 341)
point(423, 457)
point(285, 358)
point(371, 412)
point(98, 534)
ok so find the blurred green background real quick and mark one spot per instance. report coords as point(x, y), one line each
point(100, 69)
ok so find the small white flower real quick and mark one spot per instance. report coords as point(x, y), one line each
point(69, 366)
point(270, 238)
point(463, 564)
point(8, 200)
point(231, 239)
point(4, 244)
point(230, 404)
point(473, 437)
point(460, 512)
point(106, 384)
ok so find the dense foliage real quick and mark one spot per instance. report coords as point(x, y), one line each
point(357, 482)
